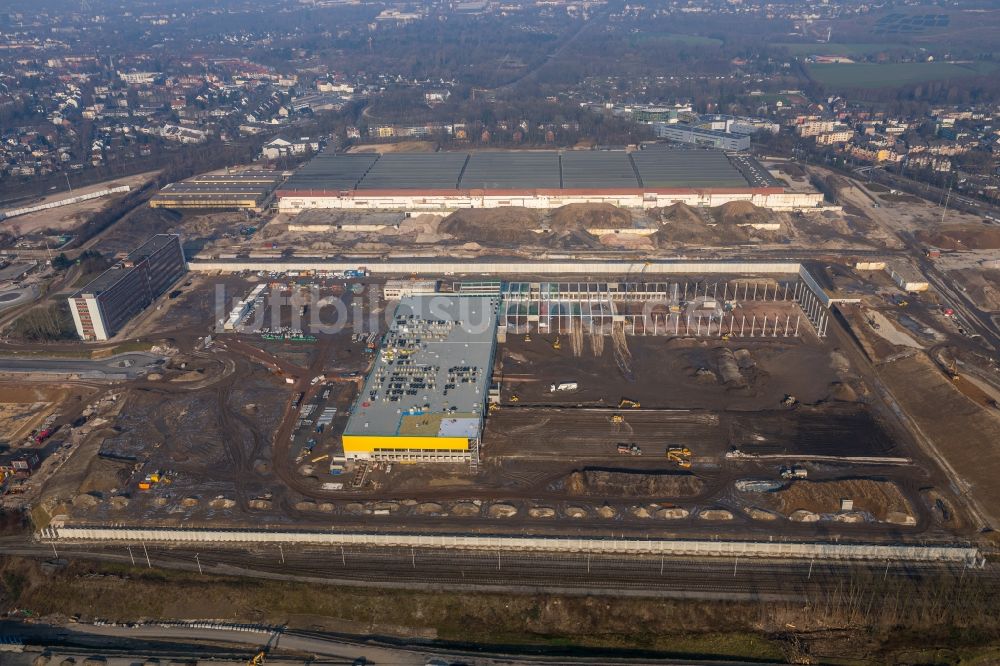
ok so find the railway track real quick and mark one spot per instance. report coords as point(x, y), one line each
point(721, 578)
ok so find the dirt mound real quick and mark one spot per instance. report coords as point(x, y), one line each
point(502, 511)
point(497, 225)
point(741, 212)
point(679, 212)
point(962, 238)
point(465, 509)
point(428, 509)
point(683, 224)
point(573, 217)
point(633, 484)
point(879, 498)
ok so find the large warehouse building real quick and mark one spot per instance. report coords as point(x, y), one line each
point(657, 176)
point(425, 398)
point(107, 303)
point(249, 190)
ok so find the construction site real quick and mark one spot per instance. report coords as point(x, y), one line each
point(764, 381)
point(684, 399)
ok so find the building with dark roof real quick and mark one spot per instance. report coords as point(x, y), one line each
point(250, 190)
point(109, 301)
point(657, 176)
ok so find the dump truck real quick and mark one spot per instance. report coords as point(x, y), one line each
point(564, 386)
point(632, 449)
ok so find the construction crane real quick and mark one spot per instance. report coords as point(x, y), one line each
point(628, 403)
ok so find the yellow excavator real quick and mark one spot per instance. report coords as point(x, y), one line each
point(514, 397)
point(556, 344)
point(259, 658)
point(617, 418)
point(681, 455)
point(626, 403)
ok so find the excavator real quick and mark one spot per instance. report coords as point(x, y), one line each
point(259, 658)
point(681, 455)
point(556, 344)
point(626, 403)
point(617, 418)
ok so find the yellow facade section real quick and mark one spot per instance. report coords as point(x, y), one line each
point(370, 443)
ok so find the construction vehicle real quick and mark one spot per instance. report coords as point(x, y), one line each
point(617, 418)
point(563, 386)
point(527, 337)
point(320, 458)
point(794, 473)
point(556, 344)
point(632, 449)
point(259, 658)
point(627, 403)
point(789, 400)
point(515, 397)
point(494, 407)
point(681, 455)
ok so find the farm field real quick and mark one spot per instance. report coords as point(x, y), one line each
point(893, 74)
point(852, 49)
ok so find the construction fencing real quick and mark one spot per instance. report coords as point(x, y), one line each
point(669, 547)
point(14, 212)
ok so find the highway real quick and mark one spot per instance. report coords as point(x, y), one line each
point(122, 366)
point(237, 643)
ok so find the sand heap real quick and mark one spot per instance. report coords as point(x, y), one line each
point(492, 225)
point(574, 217)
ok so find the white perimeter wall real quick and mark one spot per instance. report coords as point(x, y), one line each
point(784, 201)
point(635, 268)
point(545, 544)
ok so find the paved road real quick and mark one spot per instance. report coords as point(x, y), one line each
point(121, 366)
point(151, 640)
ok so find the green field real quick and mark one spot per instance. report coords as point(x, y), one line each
point(863, 75)
point(673, 39)
point(849, 50)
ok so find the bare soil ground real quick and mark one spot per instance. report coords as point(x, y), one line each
point(965, 434)
point(669, 373)
point(493, 225)
point(631, 484)
point(982, 286)
point(961, 237)
point(24, 407)
point(879, 498)
point(66, 218)
point(398, 147)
